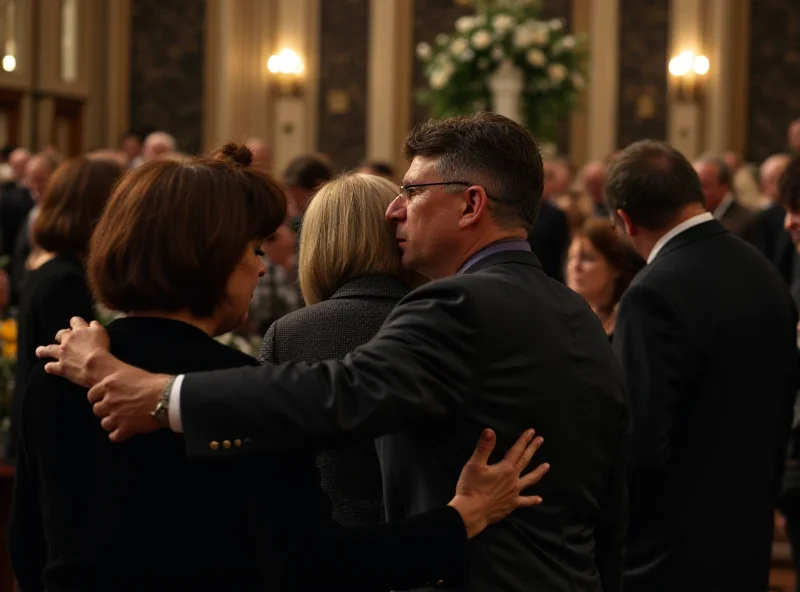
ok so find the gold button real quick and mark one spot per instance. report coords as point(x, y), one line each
point(226, 444)
point(214, 445)
point(237, 442)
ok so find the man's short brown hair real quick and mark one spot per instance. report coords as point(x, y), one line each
point(72, 203)
point(173, 232)
point(490, 150)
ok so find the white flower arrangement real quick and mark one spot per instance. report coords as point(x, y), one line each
point(458, 65)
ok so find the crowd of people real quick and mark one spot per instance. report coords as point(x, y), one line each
point(629, 330)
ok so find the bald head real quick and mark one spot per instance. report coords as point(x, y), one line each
point(594, 180)
point(156, 145)
point(770, 173)
point(18, 160)
point(262, 154)
point(732, 160)
point(556, 178)
point(37, 174)
point(793, 136)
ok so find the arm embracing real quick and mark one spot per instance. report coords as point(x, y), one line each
point(423, 362)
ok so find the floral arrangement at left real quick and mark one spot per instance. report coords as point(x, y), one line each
point(8, 361)
point(458, 65)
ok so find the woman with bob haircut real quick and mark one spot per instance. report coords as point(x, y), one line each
point(350, 277)
point(177, 250)
point(601, 264)
point(54, 288)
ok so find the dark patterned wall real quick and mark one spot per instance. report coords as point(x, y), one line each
point(774, 75)
point(167, 63)
point(431, 17)
point(343, 65)
point(643, 49)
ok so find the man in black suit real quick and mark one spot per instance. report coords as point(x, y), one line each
point(492, 341)
point(706, 338)
point(716, 181)
point(772, 238)
point(549, 238)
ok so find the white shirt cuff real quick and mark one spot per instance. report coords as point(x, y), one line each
point(175, 423)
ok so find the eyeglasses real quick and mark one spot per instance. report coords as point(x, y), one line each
point(405, 190)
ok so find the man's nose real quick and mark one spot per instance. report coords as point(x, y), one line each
point(396, 210)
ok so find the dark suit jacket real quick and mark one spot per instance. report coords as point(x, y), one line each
point(773, 240)
point(502, 346)
point(92, 515)
point(351, 475)
point(550, 238)
point(706, 337)
point(741, 221)
point(15, 204)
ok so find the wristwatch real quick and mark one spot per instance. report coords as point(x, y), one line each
point(161, 412)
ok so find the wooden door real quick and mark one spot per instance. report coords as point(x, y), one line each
point(66, 135)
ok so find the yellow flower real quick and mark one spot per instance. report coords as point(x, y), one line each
point(9, 350)
point(8, 330)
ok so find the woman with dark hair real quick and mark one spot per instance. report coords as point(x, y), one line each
point(600, 266)
point(177, 250)
point(54, 289)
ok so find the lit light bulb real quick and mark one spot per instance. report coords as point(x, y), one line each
point(9, 63)
point(701, 65)
point(285, 62)
point(681, 64)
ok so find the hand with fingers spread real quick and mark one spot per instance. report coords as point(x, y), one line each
point(486, 493)
point(81, 353)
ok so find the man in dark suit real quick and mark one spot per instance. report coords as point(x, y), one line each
point(716, 181)
point(492, 341)
point(772, 238)
point(701, 369)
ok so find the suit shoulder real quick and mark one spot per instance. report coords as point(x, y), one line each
point(223, 356)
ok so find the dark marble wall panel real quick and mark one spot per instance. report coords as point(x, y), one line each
point(774, 75)
point(343, 66)
point(167, 63)
point(431, 17)
point(643, 49)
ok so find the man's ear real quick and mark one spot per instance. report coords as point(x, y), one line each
point(475, 205)
point(630, 227)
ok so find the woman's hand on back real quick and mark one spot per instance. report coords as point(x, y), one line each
point(486, 493)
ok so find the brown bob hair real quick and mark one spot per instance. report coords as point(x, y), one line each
point(173, 232)
point(615, 248)
point(72, 204)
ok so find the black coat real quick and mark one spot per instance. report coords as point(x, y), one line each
point(502, 346)
point(92, 515)
point(706, 337)
point(772, 239)
point(549, 239)
point(351, 475)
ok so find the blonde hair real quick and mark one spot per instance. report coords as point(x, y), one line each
point(345, 235)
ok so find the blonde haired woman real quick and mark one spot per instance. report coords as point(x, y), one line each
point(350, 276)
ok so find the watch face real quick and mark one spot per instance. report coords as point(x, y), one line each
point(161, 414)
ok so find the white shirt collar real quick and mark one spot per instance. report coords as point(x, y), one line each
point(723, 206)
point(682, 227)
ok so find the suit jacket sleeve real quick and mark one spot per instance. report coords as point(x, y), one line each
point(655, 357)
point(429, 549)
point(424, 362)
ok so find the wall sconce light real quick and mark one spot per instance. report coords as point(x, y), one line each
point(688, 74)
point(286, 68)
point(9, 63)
